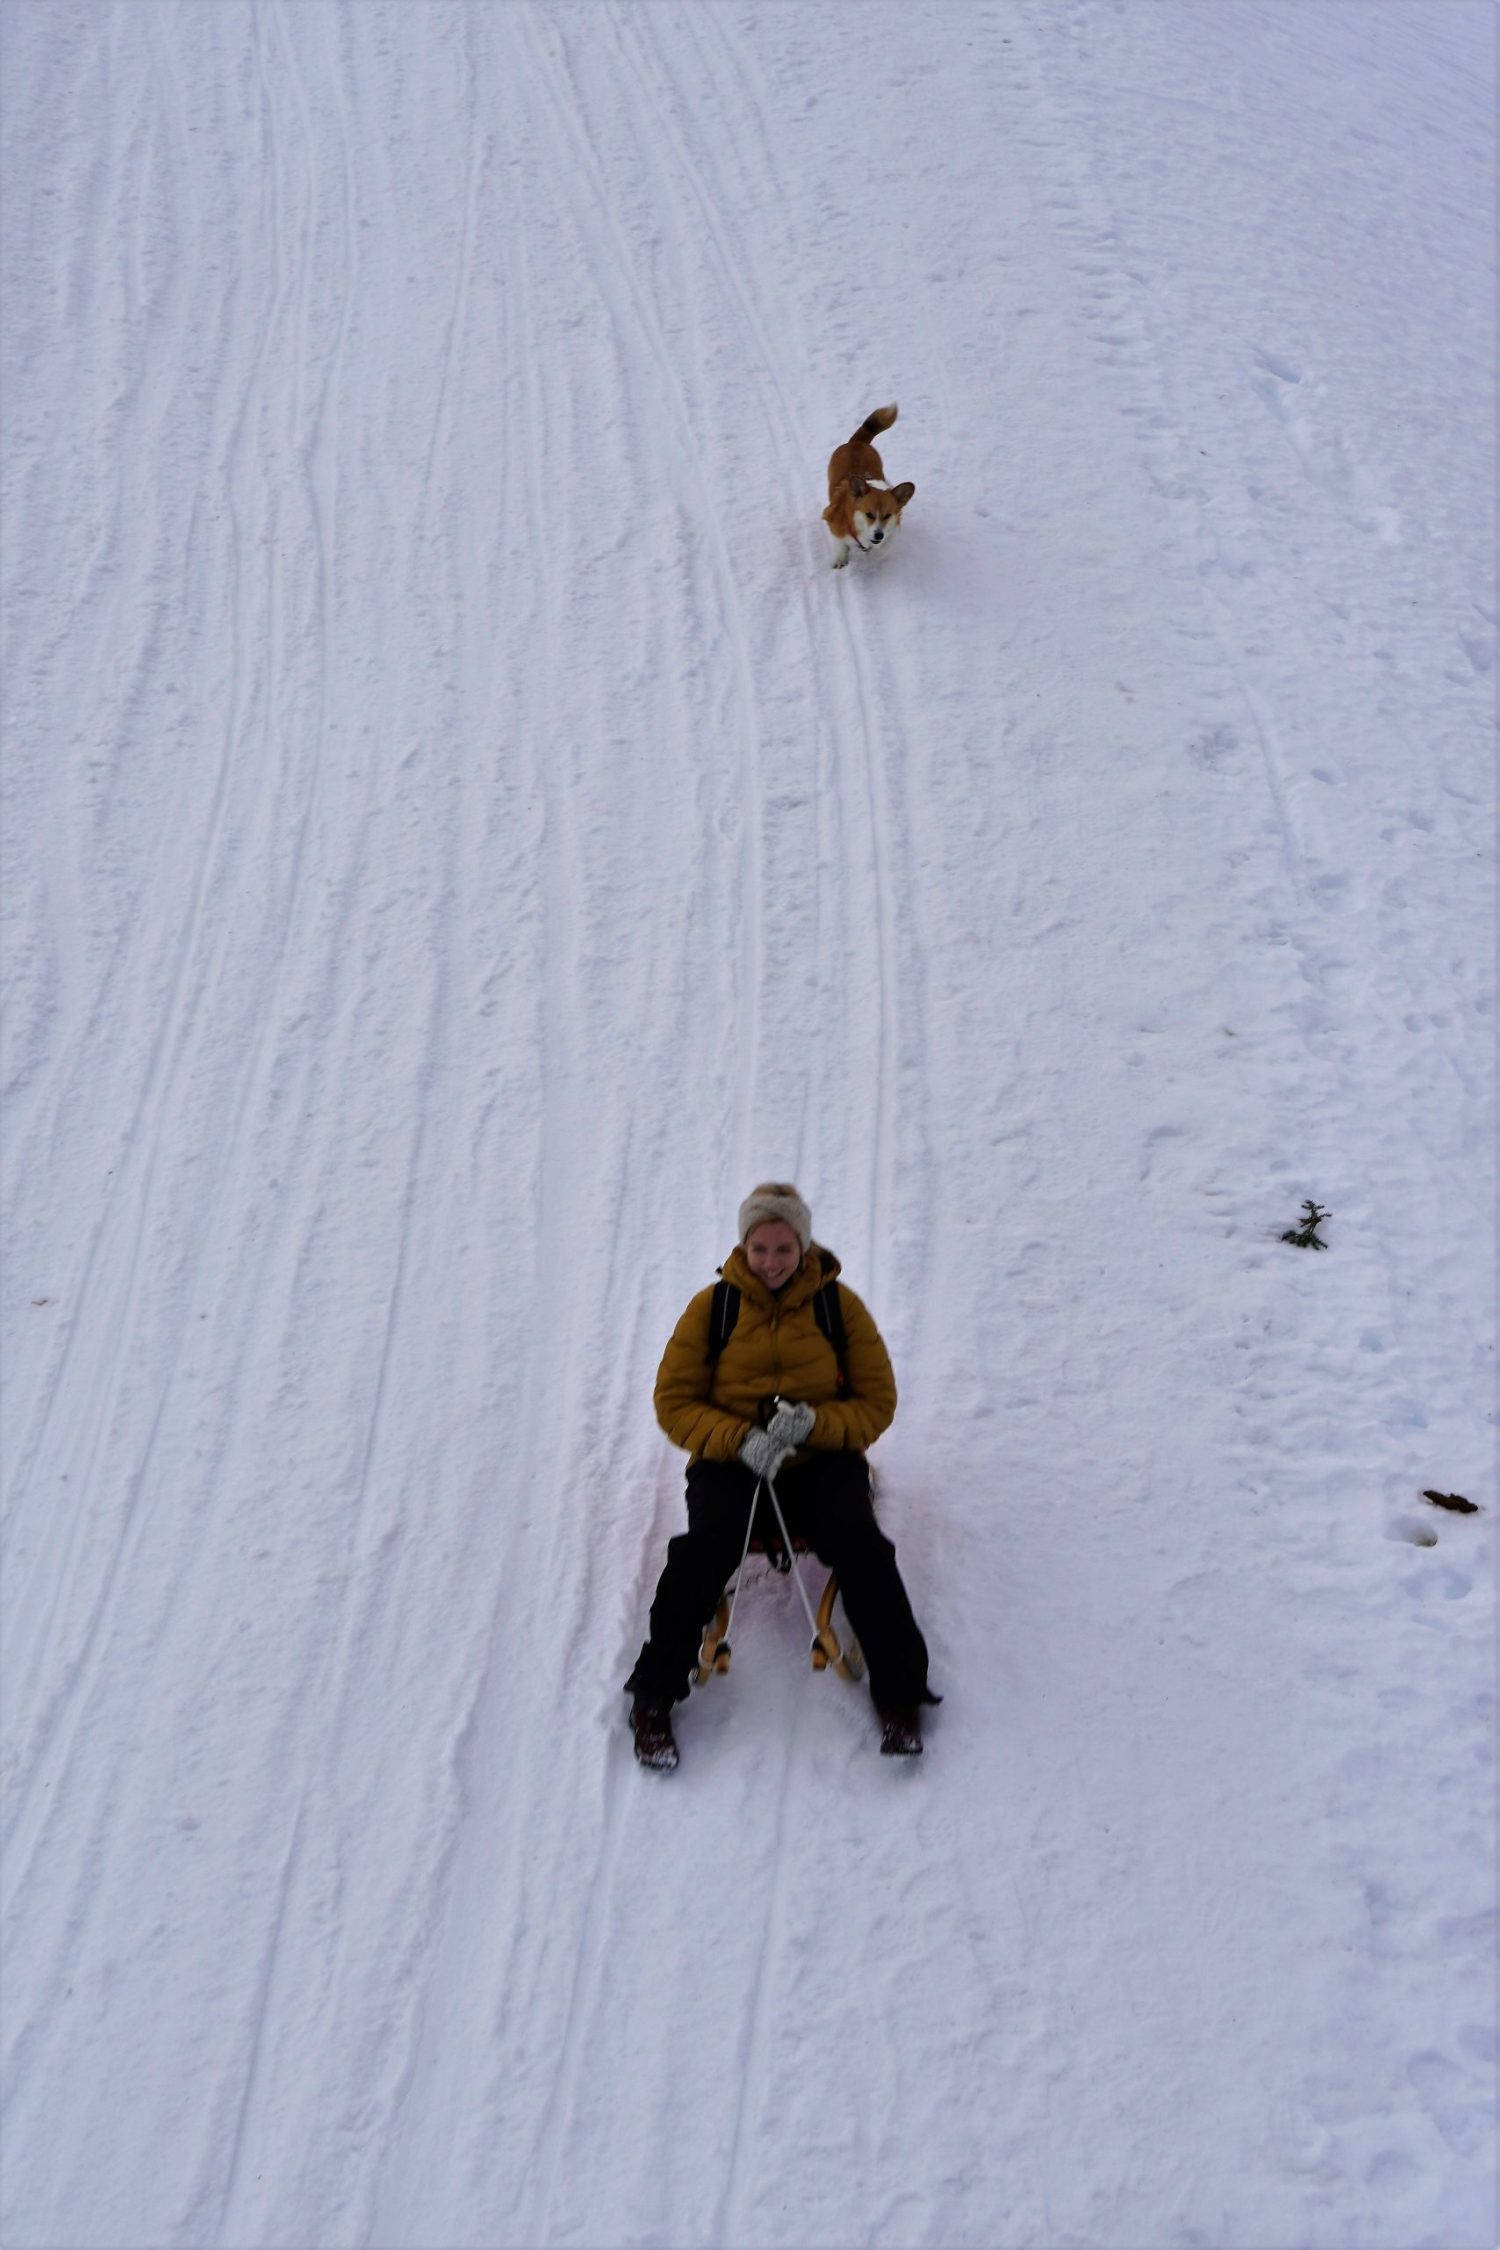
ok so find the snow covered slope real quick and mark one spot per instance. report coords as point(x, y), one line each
point(460, 833)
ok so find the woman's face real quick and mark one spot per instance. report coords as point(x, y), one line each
point(773, 1252)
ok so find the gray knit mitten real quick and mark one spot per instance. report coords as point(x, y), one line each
point(792, 1422)
point(763, 1453)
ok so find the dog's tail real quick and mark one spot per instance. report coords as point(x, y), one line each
point(873, 424)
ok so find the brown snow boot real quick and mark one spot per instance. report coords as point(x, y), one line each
point(901, 1733)
point(655, 1744)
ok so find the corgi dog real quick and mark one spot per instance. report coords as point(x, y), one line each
point(863, 511)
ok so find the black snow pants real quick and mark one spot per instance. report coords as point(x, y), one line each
point(825, 1498)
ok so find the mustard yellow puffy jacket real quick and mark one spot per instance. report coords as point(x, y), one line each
point(777, 1346)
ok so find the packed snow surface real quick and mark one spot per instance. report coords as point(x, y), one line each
point(460, 834)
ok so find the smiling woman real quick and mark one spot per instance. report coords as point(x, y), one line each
point(775, 1382)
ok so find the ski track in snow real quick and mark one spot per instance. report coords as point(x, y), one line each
point(459, 832)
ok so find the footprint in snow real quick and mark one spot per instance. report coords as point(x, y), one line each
point(1277, 367)
point(1214, 750)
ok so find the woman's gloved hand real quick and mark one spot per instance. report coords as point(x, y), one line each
point(784, 1425)
point(792, 1423)
point(763, 1453)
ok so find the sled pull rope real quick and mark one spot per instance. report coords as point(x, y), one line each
point(722, 1648)
point(823, 1640)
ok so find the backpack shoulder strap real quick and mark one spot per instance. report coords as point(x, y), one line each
point(723, 1312)
point(828, 1311)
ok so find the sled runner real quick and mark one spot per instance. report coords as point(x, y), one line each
point(845, 1657)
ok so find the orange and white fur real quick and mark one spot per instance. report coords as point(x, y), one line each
point(863, 511)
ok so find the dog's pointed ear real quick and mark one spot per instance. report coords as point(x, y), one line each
point(857, 488)
point(901, 493)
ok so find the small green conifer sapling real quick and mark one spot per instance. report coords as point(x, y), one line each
point(1307, 1237)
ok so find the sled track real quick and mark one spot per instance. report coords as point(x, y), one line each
point(460, 832)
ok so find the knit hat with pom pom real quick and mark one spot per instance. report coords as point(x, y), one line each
point(776, 1199)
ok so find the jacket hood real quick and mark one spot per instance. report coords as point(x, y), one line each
point(819, 1265)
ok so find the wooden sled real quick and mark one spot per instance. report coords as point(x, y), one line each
point(828, 1652)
